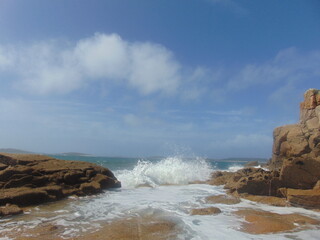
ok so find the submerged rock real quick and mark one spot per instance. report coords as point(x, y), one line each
point(262, 222)
point(223, 199)
point(270, 200)
point(205, 211)
point(10, 209)
point(28, 179)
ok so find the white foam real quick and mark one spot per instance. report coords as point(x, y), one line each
point(174, 202)
point(171, 170)
point(234, 168)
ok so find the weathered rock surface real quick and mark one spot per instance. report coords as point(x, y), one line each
point(262, 222)
point(129, 228)
point(205, 211)
point(10, 210)
point(270, 200)
point(309, 198)
point(295, 162)
point(248, 180)
point(33, 179)
point(302, 139)
point(223, 199)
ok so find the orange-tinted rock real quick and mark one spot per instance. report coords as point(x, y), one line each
point(304, 198)
point(300, 172)
point(317, 186)
point(270, 200)
point(205, 211)
point(262, 222)
point(136, 228)
point(254, 181)
point(90, 188)
point(295, 162)
point(10, 209)
point(220, 178)
point(32, 179)
point(302, 139)
point(311, 99)
point(223, 199)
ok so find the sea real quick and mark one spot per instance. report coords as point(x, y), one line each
point(166, 187)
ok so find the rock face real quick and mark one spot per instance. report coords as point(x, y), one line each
point(249, 180)
point(296, 154)
point(262, 222)
point(302, 139)
point(295, 165)
point(32, 179)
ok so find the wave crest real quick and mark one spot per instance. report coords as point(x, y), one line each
point(171, 170)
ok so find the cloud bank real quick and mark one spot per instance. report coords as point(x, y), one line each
point(138, 115)
point(288, 66)
point(49, 68)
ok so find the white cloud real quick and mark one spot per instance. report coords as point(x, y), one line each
point(47, 67)
point(288, 66)
point(6, 58)
point(153, 68)
point(103, 56)
point(131, 119)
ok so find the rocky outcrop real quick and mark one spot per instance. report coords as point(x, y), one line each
point(294, 170)
point(262, 222)
point(255, 181)
point(296, 154)
point(309, 198)
point(302, 139)
point(33, 179)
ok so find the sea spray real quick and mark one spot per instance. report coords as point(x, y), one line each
point(171, 170)
point(234, 168)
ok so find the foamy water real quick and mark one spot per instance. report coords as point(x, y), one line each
point(173, 201)
point(172, 170)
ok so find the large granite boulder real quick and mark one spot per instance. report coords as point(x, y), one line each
point(296, 148)
point(255, 181)
point(309, 198)
point(294, 170)
point(33, 179)
point(302, 139)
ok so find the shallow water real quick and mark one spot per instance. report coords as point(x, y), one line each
point(168, 196)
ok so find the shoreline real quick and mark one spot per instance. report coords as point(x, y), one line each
point(166, 224)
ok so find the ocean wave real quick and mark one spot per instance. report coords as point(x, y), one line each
point(234, 168)
point(171, 170)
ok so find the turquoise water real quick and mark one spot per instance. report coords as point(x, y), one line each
point(122, 163)
point(157, 187)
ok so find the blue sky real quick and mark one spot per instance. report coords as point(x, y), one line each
point(209, 78)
